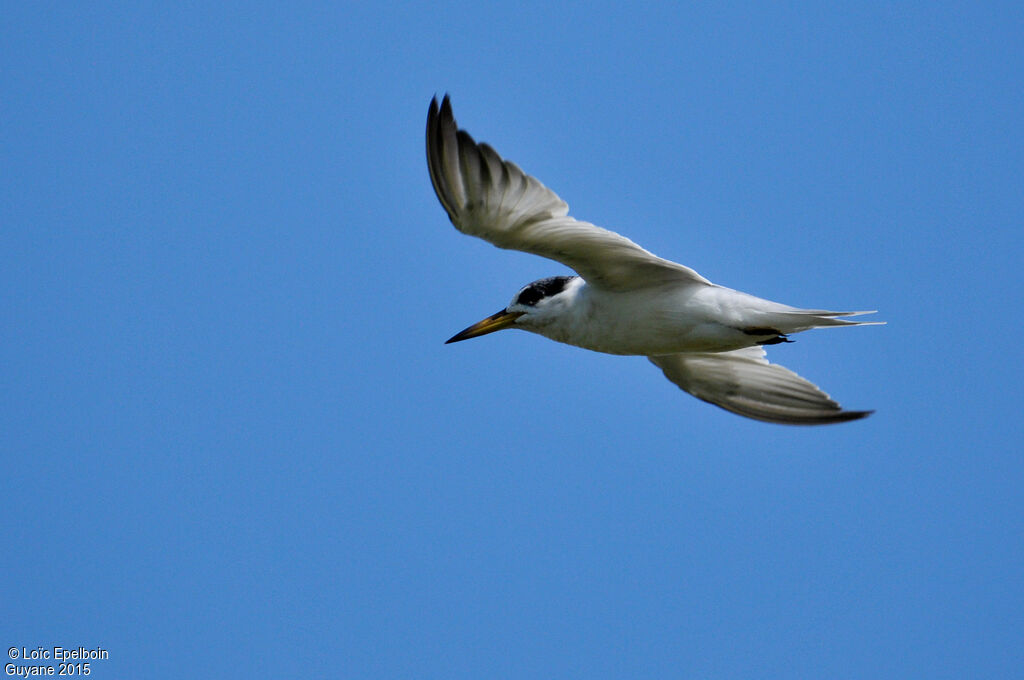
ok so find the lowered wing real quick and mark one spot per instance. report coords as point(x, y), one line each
point(742, 381)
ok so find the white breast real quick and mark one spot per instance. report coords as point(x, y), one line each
point(663, 320)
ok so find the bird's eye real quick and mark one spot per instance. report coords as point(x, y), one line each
point(529, 297)
point(538, 290)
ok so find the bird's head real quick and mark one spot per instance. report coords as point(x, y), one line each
point(533, 307)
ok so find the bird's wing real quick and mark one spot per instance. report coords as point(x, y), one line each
point(493, 199)
point(742, 381)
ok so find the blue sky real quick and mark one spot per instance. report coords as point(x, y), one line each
point(234, 441)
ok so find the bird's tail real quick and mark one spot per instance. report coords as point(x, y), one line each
point(794, 320)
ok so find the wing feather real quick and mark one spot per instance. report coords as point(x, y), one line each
point(493, 199)
point(742, 381)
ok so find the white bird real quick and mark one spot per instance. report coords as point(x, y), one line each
point(707, 339)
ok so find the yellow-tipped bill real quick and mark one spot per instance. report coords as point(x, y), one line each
point(495, 322)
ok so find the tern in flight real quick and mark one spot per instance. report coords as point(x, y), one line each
point(707, 339)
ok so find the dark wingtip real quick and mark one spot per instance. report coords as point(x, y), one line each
point(446, 108)
point(847, 416)
point(811, 419)
point(436, 111)
point(435, 104)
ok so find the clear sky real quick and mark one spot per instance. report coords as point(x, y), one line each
point(234, 443)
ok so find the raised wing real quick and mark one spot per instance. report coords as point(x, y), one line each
point(742, 381)
point(493, 199)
